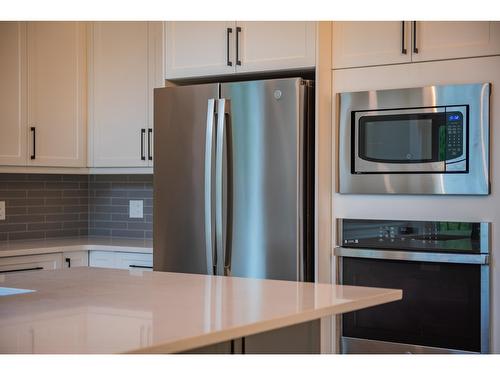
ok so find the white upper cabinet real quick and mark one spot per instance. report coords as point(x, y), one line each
point(449, 40)
point(357, 44)
point(125, 65)
point(263, 46)
point(370, 43)
point(198, 49)
point(56, 94)
point(12, 111)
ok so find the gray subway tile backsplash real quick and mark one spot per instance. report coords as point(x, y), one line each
point(40, 206)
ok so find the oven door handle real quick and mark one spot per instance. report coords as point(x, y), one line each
point(412, 256)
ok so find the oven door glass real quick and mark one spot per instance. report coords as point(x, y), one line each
point(440, 306)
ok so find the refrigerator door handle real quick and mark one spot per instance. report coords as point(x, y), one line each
point(211, 255)
point(222, 219)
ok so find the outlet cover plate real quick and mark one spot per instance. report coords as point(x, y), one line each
point(2, 210)
point(136, 209)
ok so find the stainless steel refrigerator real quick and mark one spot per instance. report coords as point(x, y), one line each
point(233, 179)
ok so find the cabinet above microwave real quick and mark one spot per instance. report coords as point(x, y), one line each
point(428, 140)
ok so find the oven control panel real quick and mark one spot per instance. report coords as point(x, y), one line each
point(412, 235)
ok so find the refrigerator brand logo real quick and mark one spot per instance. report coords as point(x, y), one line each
point(277, 94)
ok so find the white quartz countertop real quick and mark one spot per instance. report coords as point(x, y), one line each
point(30, 247)
point(95, 310)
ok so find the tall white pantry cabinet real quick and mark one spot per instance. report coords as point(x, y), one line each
point(42, 96)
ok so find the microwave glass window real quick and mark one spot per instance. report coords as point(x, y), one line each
point(396, 140)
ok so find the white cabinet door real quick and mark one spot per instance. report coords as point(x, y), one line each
point(30, 263)
point(450, 40)
point(197, 49)
point(12, 78)
point(104, 259)
point(125, 67)
point(74, 259)
point(56, 88)
point(134, 261)
point(370, 43)
point(120, 260)
point(264, 46)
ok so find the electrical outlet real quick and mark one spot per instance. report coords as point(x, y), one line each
point(2, 210)
point(136, 209)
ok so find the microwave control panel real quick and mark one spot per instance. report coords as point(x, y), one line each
point(454, 135)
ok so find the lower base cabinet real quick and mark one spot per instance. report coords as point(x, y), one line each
point(29, 263)
point(303, 338)
point(121, 260)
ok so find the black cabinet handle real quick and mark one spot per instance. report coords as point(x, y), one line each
point(68, 260)
point(415, 48)
point(137, 266)
point(229, 30)
point(33, 133)
point(143, 132)
point(23, 269)
point(403, 39)
point(238, 31)
point(150, 133)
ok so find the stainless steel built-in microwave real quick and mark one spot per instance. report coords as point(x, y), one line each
point(428, 140)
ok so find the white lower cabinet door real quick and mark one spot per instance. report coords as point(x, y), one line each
point(103, 259)
point(30, 263)
point(134, 261)
point(73, 259)
point(121, 260)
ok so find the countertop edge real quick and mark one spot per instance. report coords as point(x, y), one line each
point(259, 327)
point(76, 247)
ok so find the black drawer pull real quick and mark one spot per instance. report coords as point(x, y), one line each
point(23, 269)
point(137, 266)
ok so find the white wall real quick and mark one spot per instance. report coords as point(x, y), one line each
point(458, 208)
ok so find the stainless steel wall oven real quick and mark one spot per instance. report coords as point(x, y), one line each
point(443, 269)
point(428, 140)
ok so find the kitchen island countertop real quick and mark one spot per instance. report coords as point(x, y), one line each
point(95, 310)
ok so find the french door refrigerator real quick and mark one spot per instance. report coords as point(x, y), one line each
point(233, 179)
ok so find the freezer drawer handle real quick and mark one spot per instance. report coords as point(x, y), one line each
point(23, 270)
point(138, 266)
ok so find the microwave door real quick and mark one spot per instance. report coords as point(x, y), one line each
point(406, 141)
